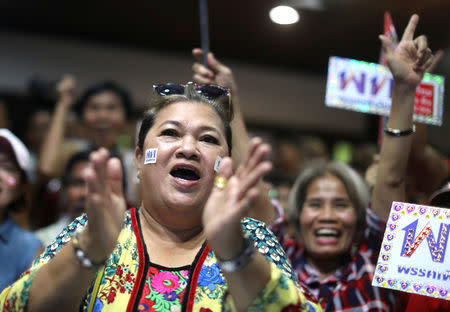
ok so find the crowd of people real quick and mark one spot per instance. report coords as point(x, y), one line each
point(195, 218)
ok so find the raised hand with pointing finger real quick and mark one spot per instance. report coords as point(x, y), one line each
point(412, 57)
point(407, 63)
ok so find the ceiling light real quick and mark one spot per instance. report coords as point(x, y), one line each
point(284, 15)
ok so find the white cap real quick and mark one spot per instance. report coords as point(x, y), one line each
point(20, 150)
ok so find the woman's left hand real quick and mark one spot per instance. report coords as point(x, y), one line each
point(226, 206)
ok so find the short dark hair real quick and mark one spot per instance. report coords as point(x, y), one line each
point(222, 106)
point(83, 156)
point(105, 86)
point(76, 158)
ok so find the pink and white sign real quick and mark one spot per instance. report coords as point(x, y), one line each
point(413, 256)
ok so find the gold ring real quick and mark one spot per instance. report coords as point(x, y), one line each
point(220, 182)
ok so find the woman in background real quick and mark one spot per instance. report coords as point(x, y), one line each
point(339, 239)
point(18, 247)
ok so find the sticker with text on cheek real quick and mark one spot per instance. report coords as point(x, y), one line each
point(150, 156)
point(217, 163)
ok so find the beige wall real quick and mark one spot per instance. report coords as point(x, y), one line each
point(268, 95)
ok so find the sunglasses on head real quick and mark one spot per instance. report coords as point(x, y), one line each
point(209, 91)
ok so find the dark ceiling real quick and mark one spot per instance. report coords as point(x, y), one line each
point(239, 30)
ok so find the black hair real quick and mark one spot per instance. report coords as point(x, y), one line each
point(82, 156)
point(105, 86)
point(222, 106)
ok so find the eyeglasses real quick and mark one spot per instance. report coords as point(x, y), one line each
point(209, 91)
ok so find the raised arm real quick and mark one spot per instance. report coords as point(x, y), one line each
point(408, 63)
point(222, 75)
point(426, 165)
point(51, 147)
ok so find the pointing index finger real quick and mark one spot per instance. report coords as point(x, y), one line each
point(411, 28)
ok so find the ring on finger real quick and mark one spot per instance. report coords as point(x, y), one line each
point(220, 182)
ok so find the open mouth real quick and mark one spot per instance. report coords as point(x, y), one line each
point(185, 174)
point(327, 233)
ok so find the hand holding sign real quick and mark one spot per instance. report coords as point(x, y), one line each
point(412, 57)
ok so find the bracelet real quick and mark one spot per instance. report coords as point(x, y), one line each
point(398, 132)
point(82, 258)
point(241, 260)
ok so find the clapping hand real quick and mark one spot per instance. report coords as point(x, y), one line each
point(105, 205)
point(229, 201)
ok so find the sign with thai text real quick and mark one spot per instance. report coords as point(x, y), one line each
point(413, 256)
point(367, 87)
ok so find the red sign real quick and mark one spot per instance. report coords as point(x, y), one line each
point(423, 104)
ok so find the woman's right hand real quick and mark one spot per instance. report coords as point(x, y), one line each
point(105, 206)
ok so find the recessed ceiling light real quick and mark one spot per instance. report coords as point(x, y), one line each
point(284, 15)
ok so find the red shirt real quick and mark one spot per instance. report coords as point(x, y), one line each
point(413, 302)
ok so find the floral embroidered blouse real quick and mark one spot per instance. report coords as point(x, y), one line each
point(163, 289)
point(124, 284)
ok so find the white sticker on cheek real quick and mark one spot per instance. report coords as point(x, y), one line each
point(216, 165)
point(11, 181)
point(150, 156)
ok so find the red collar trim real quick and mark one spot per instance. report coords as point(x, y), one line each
point(195, 274)
point(141, 254)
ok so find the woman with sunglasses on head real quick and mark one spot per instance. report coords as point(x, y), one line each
point(187, 248)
